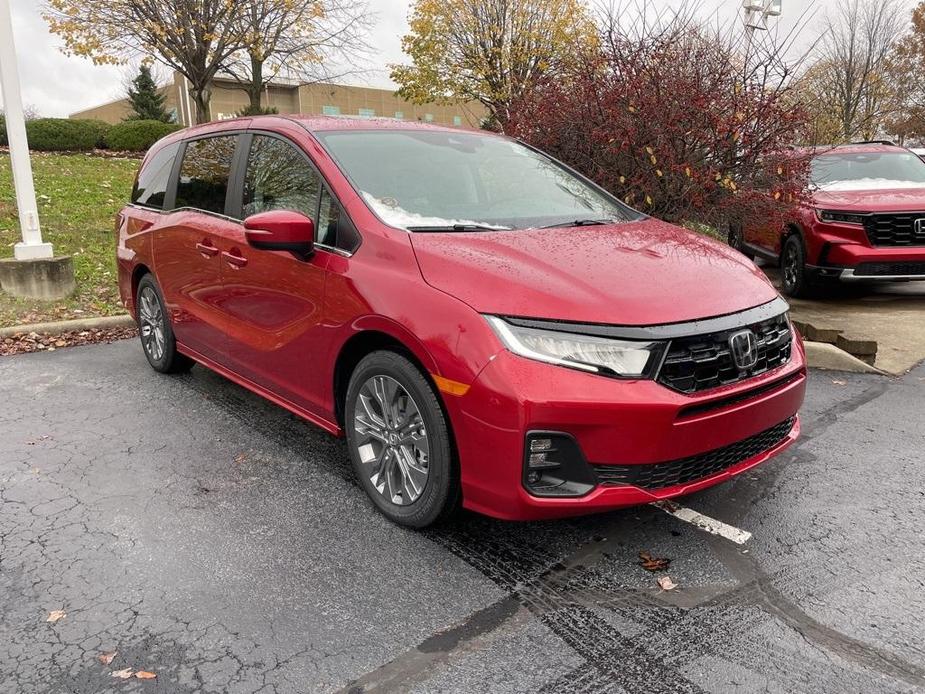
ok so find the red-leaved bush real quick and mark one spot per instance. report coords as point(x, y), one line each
point(676, 122)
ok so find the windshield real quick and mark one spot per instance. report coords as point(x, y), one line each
point(868, 171)
point(432, 180)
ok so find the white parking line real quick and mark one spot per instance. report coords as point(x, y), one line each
point(711, 525)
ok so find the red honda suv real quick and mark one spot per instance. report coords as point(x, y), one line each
point(484, 325)
point(864, 221)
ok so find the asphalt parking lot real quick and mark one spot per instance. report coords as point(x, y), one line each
point(218, 542)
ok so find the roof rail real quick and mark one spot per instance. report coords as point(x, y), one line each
point(874, 142)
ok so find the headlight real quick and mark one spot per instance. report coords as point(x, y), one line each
point(600, 355)
point(839, 217)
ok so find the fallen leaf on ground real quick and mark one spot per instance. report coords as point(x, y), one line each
point(55, 615)
point(839, 383)
point(240, 458)
point(665, 583)
point(123, 674)
point(650, 563)
point(106, 658)
point(145, 675)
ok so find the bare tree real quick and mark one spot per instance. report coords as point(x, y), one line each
point(308, 41)
point(854, 51)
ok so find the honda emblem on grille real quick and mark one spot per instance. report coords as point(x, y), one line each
point(744, 348)
point(919, 226)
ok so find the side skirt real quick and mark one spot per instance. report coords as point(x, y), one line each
point(325, 424)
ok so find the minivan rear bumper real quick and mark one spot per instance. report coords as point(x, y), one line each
point(614, 423)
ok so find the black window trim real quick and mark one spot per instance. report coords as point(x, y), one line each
point(238, 175)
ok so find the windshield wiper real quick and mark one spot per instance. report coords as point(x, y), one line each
point(457, 227)
point(580, 223)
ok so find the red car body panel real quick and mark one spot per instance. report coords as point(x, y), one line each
point(278, 325)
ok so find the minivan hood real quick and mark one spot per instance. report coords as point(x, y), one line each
point(638, 273)
point(887, 200)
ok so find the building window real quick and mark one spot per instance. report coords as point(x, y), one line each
point(429, 117)
point(330, 110)
point(400, 115)
point(457, 120)
point(367, 113)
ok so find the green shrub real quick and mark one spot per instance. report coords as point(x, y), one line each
point(61, 135)
point(101, 128)
point(138, 135)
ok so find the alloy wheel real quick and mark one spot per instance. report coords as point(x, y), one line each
point(151, 323)
point(391, 440)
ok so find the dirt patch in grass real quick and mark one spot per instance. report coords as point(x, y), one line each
point(78, 197)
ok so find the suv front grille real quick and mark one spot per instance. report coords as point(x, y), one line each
point(705, 361)
point(895, 229)
point(696, 467)
point(888, 269)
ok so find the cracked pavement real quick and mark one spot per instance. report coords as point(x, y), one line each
point(210, 537)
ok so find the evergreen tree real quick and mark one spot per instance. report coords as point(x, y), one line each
point(146, 101)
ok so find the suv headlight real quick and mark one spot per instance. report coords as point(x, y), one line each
point(601, 355)
point(832, 217)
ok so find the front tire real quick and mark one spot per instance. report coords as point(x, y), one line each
point(399, 441)
point(157, 338)
point(795, 278)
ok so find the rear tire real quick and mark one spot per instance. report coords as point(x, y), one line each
point(155, 331)
point(399, 441)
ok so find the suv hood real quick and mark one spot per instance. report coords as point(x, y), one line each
point(883, 200)
point(638, 273)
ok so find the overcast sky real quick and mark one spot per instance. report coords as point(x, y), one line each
point(56, 85)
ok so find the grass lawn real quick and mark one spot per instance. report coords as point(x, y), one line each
point(78, 198)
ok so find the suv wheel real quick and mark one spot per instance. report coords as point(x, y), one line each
point(156, 333)
point(796, 280)
point(399, 441)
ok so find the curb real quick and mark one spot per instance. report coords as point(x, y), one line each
point(57, 327)
point(822, 355)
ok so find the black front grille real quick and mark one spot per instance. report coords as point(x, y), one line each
point(697, 467)
point(887, 269)
point(895, 229)
point(705, 361)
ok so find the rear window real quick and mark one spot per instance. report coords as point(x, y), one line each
point(205, 172)
point(151, 186)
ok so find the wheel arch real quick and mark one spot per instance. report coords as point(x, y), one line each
point(365, 342)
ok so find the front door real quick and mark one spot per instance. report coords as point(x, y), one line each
point(272, 300)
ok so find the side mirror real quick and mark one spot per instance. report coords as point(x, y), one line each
point(281, 230)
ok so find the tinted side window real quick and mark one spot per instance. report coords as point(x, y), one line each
point(205, 172)
point(151, 186)
point(279, 178)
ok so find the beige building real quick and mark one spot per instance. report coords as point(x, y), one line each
point(292, 97)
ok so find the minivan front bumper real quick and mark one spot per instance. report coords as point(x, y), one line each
point(616, 426)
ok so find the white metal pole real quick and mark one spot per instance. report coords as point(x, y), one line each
point(31, 247)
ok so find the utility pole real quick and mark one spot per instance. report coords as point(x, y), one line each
point(33, 272)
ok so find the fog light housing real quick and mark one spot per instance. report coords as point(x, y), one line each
point(554, 466)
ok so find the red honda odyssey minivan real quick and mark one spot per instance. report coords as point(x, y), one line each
point(485, 326)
